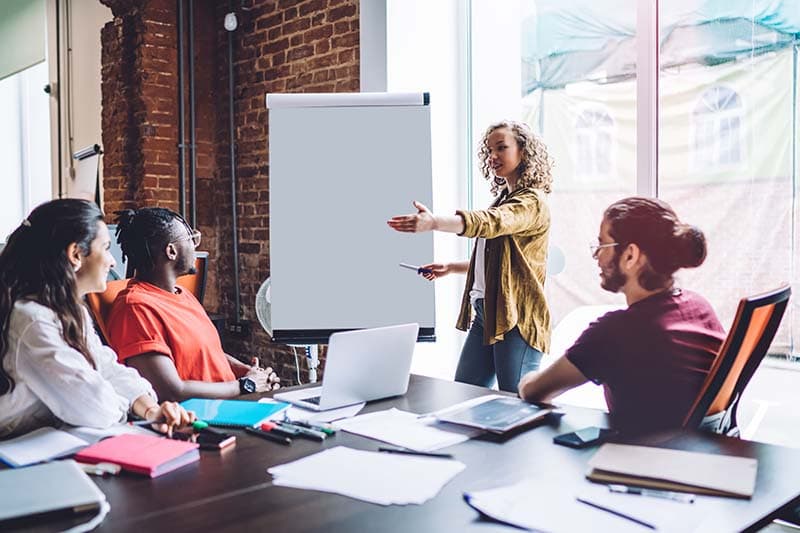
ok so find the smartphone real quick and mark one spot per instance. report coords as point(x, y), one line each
point(211, 439)
point(584, 438)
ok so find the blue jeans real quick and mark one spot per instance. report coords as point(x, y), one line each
point(507, 360)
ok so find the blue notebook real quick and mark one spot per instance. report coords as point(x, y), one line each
point(232, 413)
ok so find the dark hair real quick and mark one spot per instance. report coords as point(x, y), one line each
point(141, 231)
point(654, 227)
point(34, 265)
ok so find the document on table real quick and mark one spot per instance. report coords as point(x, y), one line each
point(298, 413)
point(407, 430)
point(381, 478)
point(534, 504)
point(39, 445)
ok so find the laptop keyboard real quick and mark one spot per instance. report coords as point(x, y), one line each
point(313, 399)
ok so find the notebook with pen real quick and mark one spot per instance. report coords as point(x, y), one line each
point(142, 454)
point(232, 413)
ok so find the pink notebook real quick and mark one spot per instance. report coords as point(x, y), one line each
point(143, 454)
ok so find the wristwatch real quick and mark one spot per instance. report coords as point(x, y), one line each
point(246, 385)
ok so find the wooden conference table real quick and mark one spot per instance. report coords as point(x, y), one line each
point(231, 491)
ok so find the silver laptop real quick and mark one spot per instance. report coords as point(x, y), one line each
point(59, 486)
point(362, 365)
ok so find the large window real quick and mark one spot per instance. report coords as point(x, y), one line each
point(697, 104)
point(24, 146)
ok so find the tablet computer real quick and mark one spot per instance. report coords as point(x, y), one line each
point(494, 413)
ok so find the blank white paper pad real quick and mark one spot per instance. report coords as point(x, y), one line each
point(382, 478)
point(407, 430)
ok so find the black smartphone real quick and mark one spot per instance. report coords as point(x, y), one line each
point(211, 439)
point(584, 438)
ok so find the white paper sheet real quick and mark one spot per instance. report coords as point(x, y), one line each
point(533, 504)
point(381, 478)
point(407, 430)
point(39, 445)
point(298, 413)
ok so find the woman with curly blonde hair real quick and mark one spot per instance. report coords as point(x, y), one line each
point(505, 275)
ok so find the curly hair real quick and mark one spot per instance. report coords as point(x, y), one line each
point(535, 165)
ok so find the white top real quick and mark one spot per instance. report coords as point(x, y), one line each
point(479, 283)
point(55, 383)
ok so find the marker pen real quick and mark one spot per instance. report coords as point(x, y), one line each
point(419, 270)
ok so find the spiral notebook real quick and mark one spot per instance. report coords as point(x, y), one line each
point(232, 413)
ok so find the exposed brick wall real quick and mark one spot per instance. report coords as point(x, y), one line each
point(280, 46)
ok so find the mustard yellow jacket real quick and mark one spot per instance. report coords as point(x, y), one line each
point(516, 229)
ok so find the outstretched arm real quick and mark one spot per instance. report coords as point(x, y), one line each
point(425, 220)
point(545, 385)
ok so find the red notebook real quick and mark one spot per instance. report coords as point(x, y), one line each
point(143, 454)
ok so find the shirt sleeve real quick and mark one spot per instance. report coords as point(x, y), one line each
point(62, 378)
point(524, 214)
point(595, 352)
point(136, 329)
point(126, 380)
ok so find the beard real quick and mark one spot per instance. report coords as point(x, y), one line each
point(612, 279)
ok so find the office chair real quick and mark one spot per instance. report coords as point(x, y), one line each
point(196, 283)
point(754, 326)
point(100, 303)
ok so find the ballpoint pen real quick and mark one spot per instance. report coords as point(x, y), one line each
point(415, 452)
point(616, 513)
point(666, 494)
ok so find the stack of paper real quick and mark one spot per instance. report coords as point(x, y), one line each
point(382, 478)
point(407, 430)
point(533, 504)
point(307, 415)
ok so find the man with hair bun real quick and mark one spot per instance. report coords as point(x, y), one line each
point(652, 357)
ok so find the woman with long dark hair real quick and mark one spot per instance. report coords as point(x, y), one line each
point(53, 367)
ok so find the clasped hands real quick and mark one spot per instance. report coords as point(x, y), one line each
point(266, 379)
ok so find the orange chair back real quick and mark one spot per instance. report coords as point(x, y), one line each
point(754, 327)
point(100, 303)
point(196, 283)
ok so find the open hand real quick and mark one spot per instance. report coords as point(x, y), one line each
point(422, 220)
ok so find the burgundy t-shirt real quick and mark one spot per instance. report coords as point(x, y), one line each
point(651, 358)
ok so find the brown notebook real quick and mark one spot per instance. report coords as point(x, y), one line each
point(677, 470)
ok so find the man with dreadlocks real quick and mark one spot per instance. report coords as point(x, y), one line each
point(162, 330)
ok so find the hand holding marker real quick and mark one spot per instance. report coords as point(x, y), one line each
point(418, 269)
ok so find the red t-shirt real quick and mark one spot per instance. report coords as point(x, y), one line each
point(651, 358)
point(145, 318)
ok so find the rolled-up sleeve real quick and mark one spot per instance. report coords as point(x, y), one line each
point(62, 378)
point(518, 215)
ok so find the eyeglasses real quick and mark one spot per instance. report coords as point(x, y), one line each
point(595, 248)
point(194, 236)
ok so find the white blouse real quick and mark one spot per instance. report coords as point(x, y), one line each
point(55, 383)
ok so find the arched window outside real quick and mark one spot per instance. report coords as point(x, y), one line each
point(717, 121)
point(593, 144)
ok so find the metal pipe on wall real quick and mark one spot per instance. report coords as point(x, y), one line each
point(232, 142)
point(182, 115)
point(192, 125)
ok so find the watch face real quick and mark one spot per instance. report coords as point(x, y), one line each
point(247, 385)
